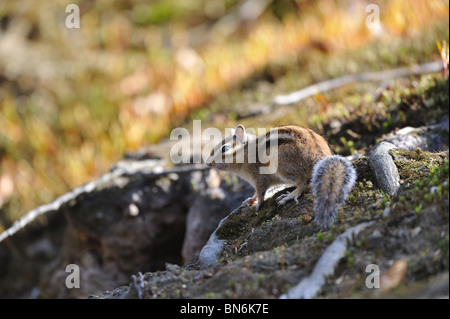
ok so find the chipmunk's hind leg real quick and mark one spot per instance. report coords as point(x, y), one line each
point(294, 195)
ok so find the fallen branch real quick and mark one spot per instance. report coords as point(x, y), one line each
point(324, 86)
point(310, 286)
point(328, 85)
point(148, 168)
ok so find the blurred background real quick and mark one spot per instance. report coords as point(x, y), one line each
point(73, 101)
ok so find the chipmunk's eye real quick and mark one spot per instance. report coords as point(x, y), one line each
point(225, 148)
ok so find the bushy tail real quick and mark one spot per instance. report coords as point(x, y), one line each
point(332, 179)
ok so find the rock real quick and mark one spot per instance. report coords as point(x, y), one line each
point(431, 138)
point(206, 212)
point(210, 254)
point(442, 126)
point(384, 168)
point(425, 141)
point(108, 243)
point(130, 219)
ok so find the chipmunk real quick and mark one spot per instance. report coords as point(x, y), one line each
point(300, 156)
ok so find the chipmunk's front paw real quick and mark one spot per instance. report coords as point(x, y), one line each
point(250, 200)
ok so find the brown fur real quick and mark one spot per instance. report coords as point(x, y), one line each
point(299, 149)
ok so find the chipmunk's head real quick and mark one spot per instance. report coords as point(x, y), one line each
point(223, 156)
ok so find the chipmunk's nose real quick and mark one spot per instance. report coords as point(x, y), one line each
point(210, 164)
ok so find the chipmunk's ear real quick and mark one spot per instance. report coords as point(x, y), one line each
point(241, 134)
